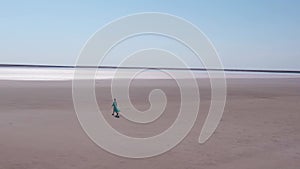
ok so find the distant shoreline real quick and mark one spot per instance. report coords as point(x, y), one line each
point(151, 68)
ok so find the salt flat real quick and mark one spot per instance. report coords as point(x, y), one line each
point(259, 129)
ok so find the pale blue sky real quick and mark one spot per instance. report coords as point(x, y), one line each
point(257, 34)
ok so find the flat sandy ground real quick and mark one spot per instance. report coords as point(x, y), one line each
point(260, 128)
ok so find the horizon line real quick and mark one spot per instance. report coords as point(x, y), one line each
point(154, 68)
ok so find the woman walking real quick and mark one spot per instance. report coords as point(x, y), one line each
point(115, 108)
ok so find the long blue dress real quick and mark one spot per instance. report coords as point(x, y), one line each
point(115, 105)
